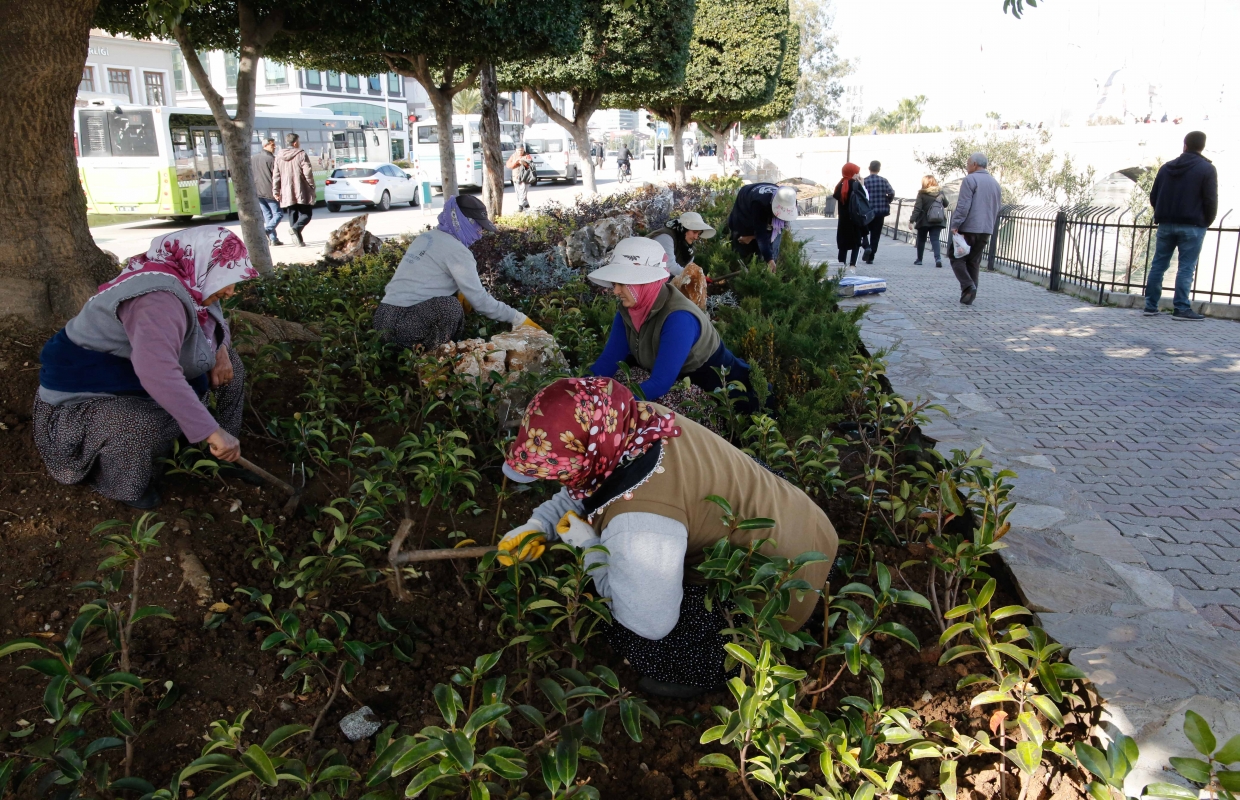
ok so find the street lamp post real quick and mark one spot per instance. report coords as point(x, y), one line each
point(852, 104)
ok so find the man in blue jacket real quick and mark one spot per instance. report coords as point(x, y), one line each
point(1185, 200)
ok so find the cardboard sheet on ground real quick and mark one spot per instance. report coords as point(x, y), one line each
point(854, 285)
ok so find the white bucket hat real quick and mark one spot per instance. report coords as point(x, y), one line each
point(636, 260)
point(692, 221)
point(784, 203)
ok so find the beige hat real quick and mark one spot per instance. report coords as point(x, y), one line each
point(784, 203)
point(636, 260)
point(692, 221)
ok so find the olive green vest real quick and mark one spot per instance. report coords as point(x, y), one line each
point(644, 344)
point(699, 463)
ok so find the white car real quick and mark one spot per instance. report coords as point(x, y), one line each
point(372, 184)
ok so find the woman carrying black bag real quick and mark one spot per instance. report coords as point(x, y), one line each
point(929, 218)
point(848, 235)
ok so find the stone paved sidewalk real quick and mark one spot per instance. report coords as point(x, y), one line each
point(1126, 435)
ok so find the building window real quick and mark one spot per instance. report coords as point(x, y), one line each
point(333, 81)
point(277, 74)
point(351, 83)
point(313, 81)
point(394, 88)
point(118, 83)
point(178, 71)
point(398, 149)
point(204, 58)
point(374, 85)
point(88, 80)
point(154, 84)
point(232, 65)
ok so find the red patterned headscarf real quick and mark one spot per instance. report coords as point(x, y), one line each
point(577, 431)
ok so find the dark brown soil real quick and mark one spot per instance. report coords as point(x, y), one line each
point(45, 551)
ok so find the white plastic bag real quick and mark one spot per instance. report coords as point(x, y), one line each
point(960, 248)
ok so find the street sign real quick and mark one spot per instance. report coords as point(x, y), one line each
point(664, 130)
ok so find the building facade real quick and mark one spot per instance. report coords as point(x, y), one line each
point(123, 70)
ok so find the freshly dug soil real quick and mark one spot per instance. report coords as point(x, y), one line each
point(45, 550)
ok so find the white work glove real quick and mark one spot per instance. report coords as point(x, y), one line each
point(524, 543)
point(574, 530)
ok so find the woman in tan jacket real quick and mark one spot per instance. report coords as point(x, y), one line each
point(292, 185)
point(635, 478)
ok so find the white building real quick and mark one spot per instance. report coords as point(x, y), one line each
point(123, 70)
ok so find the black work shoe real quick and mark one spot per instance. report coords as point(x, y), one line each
point(938, 265)
point(968, 295)
point(275, 241)
point(1190, 316)
point(680, 691)
point(149, 499)
point(1148, 313)
point(917, 263)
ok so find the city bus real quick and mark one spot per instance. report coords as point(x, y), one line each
point(467, 141)
point(168, 161)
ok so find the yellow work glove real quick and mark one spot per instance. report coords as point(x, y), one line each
point(529, 323)
point(526, 543)
point(574, 530)
point(465, 304)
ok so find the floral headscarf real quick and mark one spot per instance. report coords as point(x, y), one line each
point(578, 430)
point(204, 260)
point(452, 220)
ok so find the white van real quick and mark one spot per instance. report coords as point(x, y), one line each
point(554, 152)
point(424, 148)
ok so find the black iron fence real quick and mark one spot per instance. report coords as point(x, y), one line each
point(1098, 249)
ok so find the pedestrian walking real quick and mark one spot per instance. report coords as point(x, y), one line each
point(881, 194)
point(849, 236)
point(977, 208)
point(1185, 201)
point(929, 218)
point(522, 166)
point(293, 186)
point(262, 167)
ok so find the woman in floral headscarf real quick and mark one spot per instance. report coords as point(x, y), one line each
point(131, 372)
point(635, 479)
point(437, 282)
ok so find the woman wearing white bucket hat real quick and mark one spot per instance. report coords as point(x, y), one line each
point(758, 218)
point(658, 328)
point(679, 236)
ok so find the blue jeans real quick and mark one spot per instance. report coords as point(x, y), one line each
point(1188, 239)
point(271, 215)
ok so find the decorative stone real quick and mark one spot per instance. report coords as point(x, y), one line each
point(351, 240)
point(1036, 517)
point(529, 350)
point(591, 245)
point(361, 724)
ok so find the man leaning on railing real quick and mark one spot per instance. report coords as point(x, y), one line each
point(1185, 200)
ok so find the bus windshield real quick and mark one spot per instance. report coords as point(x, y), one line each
point(106, 133)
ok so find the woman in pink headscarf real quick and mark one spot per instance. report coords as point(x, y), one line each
point(658, 329)
point(132, 371)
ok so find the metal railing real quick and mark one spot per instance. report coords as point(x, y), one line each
point(1099, 249)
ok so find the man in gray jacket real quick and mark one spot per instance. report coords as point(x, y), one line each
point(262, 165)
point(977, 208)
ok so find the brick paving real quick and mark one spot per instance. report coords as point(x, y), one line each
point(1140, 415)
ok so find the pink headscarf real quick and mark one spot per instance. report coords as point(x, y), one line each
point(645, 294)
point(204, 260)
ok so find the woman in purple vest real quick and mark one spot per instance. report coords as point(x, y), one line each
point(133, 370)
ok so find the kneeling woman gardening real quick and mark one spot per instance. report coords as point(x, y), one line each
point(635, 479)
point(132, 371)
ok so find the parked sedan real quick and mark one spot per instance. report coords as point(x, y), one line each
point(372, 184)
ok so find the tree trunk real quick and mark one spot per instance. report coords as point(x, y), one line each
point(492, 153)
point(679, 120)
point(720, 136)
point(49, 263)
point(447, 152)
point(585, 103)
point(237, 130)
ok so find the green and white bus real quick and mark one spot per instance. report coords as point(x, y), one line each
point(168, 161)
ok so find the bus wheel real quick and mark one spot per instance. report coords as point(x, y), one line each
point(385, 202)
point(333, 207)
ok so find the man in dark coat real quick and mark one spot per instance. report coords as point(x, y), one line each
point(1185, 201)
point(262, 165)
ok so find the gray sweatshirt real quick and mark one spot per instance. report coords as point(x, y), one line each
point(437, 265)
point(643, 569)
point(978, 205)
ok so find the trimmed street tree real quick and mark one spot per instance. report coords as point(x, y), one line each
point(492, 151)
point(819, 90)
point(49, 264)
point(777, 109)
point(443, 48)
point(734, 63)
point(627, 46)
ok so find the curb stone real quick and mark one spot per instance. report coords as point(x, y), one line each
point(1145, 647)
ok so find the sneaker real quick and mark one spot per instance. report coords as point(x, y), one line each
point(149, 499)
point(938, 265)
point(1148, 313)
point(1190, 315)
point(917, 263)
point(680, 691)
point(276, 242)
point(967, 296)
point(300, 241)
